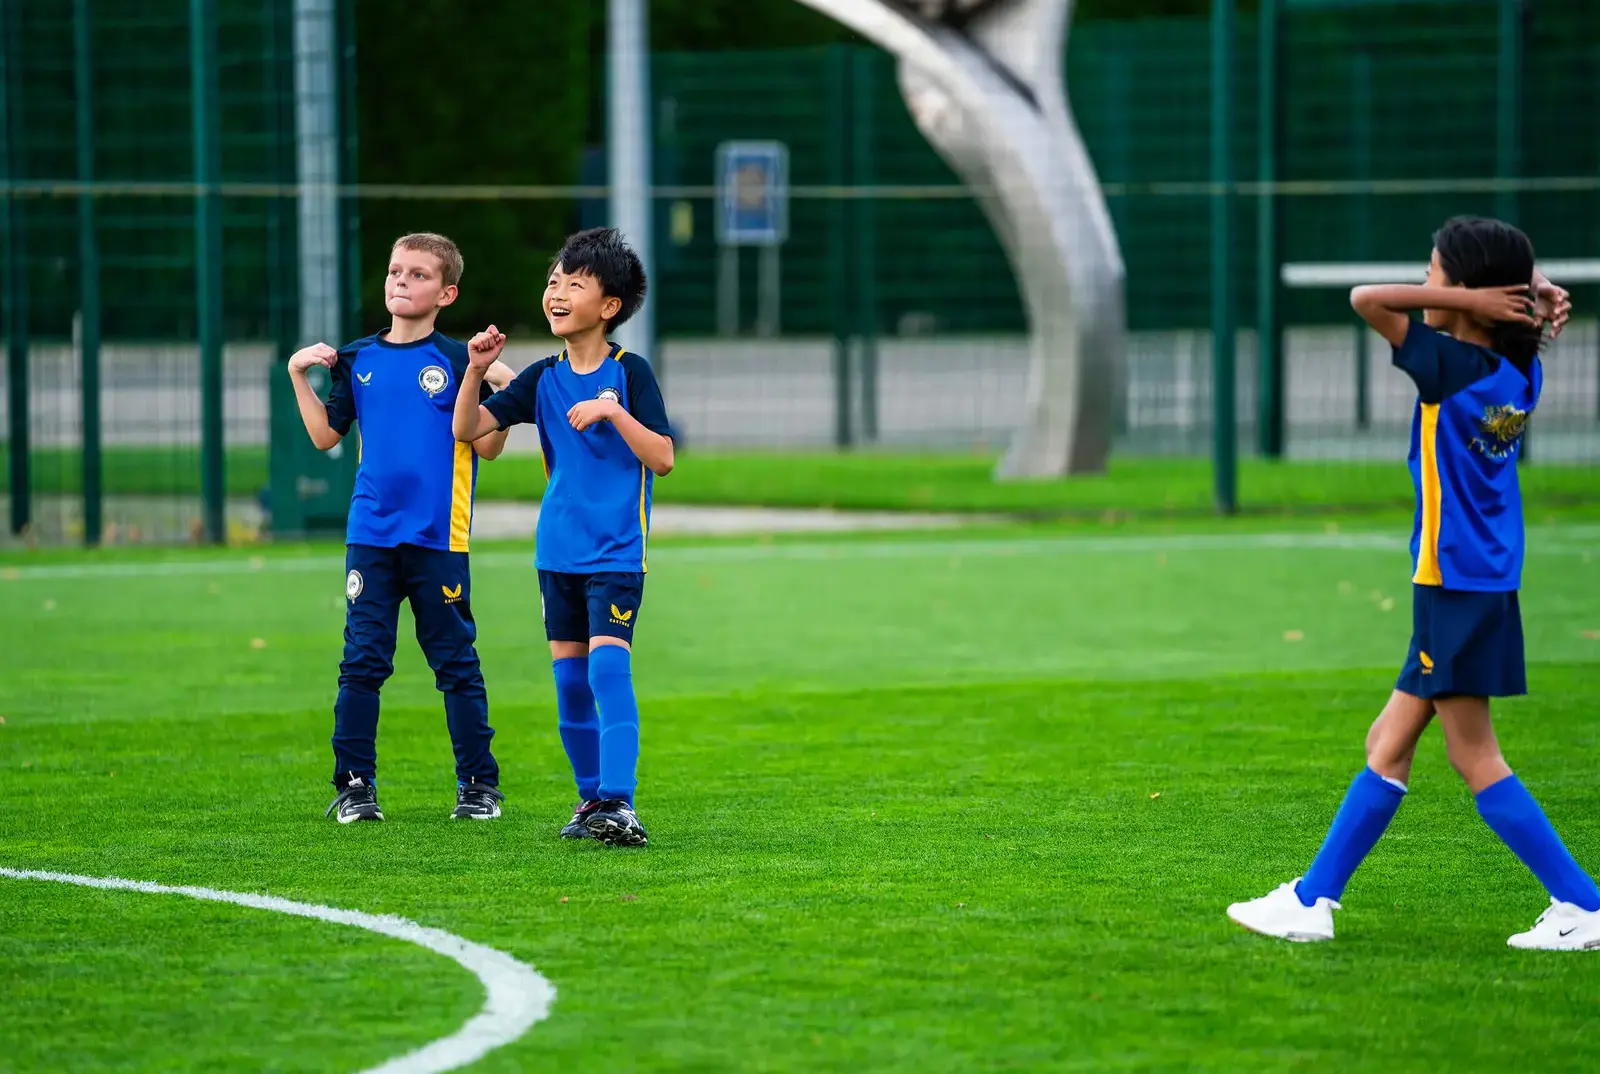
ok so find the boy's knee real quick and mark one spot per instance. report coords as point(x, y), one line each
point(609, 663)
point(459, 677)
point(364, 674)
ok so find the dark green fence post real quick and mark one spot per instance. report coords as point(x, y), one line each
point(1508, 107)
point(1224, 450)
point(864, 263)
point(1361, 120)
point(1269, 249)
point(13, 243)
point(208, 260)
point(839, 252)
point(349, 206)
point(88, 274)
point(282, 279)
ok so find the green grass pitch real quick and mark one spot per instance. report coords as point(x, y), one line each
point(936, 803)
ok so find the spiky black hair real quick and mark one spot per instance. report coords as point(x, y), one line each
point(604, 254)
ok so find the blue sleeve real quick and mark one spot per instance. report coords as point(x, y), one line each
point(644, 395)
point(518, 402)
point(455, 352)
point(341, 405)
point(1440, 365)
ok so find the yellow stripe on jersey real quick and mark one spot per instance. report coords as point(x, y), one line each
point(644, 526)
point(1428, 543)
point(461, 498)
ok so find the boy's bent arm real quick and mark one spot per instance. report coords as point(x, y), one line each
point(492, 446)
point(477, 416)
point(313, 411)
point(472, 419)
point(652, 449)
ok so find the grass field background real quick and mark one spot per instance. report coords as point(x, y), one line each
point(873, 480)
point(941, 803)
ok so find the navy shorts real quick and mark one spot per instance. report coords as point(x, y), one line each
point(1464, 644)
point(578, 607)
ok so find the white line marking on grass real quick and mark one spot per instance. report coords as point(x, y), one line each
point(518, 996)
point(1543, 541)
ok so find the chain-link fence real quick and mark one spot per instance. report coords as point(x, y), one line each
point(889, 319)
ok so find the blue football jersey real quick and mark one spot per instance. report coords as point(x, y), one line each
point(415, 482)
point(1472, 409)
point(595, 516)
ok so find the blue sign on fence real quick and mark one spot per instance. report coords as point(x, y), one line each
point(752, 193)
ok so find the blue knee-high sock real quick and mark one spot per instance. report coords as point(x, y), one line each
point(611, 679)
point(1368, 807)
point(579, 724)
point(1516, 818)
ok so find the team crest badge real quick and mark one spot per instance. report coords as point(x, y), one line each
point(610, 394)
point(433, 379)
point(353, 585)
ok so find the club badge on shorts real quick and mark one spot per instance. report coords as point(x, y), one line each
point(433, 380)
point(353, 585)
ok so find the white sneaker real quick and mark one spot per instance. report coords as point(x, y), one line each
point(1562, 927)
point(1281, 913)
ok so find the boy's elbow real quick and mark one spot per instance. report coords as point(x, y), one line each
point(326, 441)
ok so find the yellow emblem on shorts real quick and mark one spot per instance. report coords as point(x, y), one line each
point(620, 617)
point(451, 595)
point(1427, 663)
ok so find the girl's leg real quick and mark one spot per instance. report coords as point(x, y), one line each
point(1372, 800)
point(1507, 807)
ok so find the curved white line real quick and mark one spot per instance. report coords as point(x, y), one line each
point(517, 995)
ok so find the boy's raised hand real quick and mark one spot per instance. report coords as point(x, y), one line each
point(1513, 304)
point(316, 354)
point(1552, 305)
point(485, 347)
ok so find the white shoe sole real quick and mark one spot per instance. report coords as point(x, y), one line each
point(1591, 945)
point(1292, 937)
point(476, 816)
point(352, 818)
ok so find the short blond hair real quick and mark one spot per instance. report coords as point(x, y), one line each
point(448, 253)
